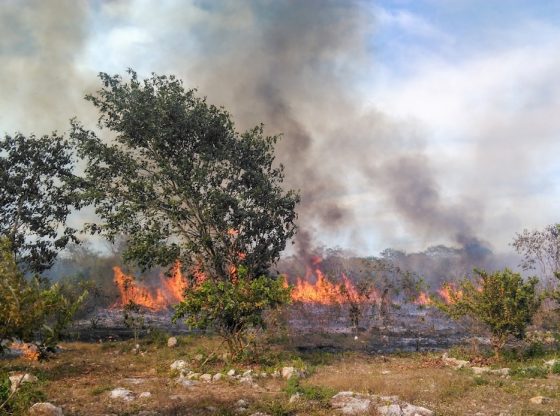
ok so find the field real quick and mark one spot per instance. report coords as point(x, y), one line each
point(81, 376)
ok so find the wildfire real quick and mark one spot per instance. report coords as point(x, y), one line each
point(169, 292)
point(447, 293)
point(324, 292)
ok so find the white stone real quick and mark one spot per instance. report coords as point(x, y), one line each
point(391, 410)
point(500, 371)
point(186, 382)
point(241, 403)
point(199, 357)
point(179, 365)
point(538, 400)
point(550, 363)
point(350, 403)
point(17, 379)
point(217, 377)
point(231, 372)
point(172, 342)
point(206, 378)
point(247, 373)
point(480, 370)
point(45, 409)
point(289, 372)
point(193, 376)
point(121, 394)
point(295, 397)
point(411, 410)
point(145, 395)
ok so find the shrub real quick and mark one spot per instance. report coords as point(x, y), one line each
point(501, 301)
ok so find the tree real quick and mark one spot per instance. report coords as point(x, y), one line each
point(501, 301)
point(182, 183)
point(540, 249)
point(37, 193)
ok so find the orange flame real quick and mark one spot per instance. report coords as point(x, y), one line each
point(171, 289)
point(324, 292)
point(423, 299)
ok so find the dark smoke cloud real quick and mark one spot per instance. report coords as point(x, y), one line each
point(290, 64)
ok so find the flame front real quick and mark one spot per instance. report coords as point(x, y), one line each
point(170, 291)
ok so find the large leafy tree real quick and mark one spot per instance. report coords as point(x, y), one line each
point(38, 190)
point(180, 181)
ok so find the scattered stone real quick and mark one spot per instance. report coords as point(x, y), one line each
point(263, 374)
point(217, 377)
point(276, 374)
point(385, 372)
point(350, 403)
point(259, 414)
point(17, 379)
point(246, 380)
point(172, 342)
point(206, 378)
point(480, 370)
point(500, 371)
point(186, 382)
point(145, 395)
point(411, 410)
point(550, 363)
point(247, 373)
point(241, 403)
point(538, 400)
point(391, 410)
point(193, 376)
point(198, 357)
point(295, 397)
point(122, 394)
point(231, 372)
point(45, 409)
point(454, 362)
point(179, 365)
point(289, 372)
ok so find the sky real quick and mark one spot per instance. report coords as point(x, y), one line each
point(405, 123)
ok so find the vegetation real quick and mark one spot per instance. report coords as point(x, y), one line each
point(232, 307)
point(38, 192)
point(502, 301)
point(32, 310)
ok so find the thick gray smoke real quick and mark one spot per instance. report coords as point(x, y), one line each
point(292, 65)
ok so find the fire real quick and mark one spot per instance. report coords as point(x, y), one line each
point(423, 299)
point(447, 293)
point(324, 292)
point(170, 291)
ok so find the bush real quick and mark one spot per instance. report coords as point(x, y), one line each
point(232, 307)
point(501, 301)
point(31, 309)
point(555, 367)
point(18, 403)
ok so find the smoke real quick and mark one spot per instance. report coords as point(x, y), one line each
point(296, 66)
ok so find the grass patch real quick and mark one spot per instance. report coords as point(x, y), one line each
point(96, 391)
point(556, 367)
point(18, 404)
point(309, 392)
point(529, 372)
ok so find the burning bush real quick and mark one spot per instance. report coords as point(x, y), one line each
point(502, 301)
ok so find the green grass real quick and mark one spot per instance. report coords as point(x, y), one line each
point(309, 392)
point(529, 372)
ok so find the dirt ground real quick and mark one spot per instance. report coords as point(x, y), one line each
point(81, 376)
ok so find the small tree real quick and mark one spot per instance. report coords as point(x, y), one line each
point(231, 307)
point(502, 301)
point(38, 190)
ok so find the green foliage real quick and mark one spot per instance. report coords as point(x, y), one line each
point(37, 193)
point(501, 300)
point(18, 403)
point(181, 182)
point(232, 307)
point(555, 367)
point(529, 372)
point(309, 392)
point(32, 310)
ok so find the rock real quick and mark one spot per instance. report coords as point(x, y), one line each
point(263, 374)
point(172, 342)
point(179, 365)
point(259, 414)
point(411, 410)
point(289, 372)
point(17, 379)
point(350, 403)
point(500, 371)
point(247, 373)
point(538, 400)
point(145, 395)
point(454, 362)
point(193, 376)
point(385, 372)
point(122, 394)
point(198, 357)
point(45, 409)
point(276, 374)
point(480, 370)
point(206, 378)
point(186, 382)
point(551, 363)
point(246, 380)
point(391, 410)
point(217, 377)
point(241, 403)
point(295, 397)
point(231, 372)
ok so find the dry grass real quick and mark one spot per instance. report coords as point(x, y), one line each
point(79, 379)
